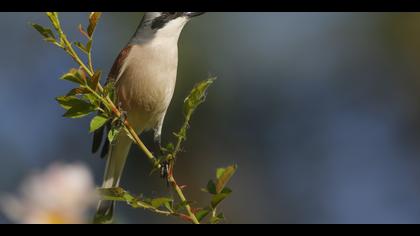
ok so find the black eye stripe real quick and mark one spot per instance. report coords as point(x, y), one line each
point(165, 17)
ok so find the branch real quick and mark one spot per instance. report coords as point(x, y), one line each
point(66, 45)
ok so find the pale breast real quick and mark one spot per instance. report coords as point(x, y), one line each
point(146, 83)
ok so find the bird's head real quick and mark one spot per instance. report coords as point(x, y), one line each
point(164, 24)
point(160, 20)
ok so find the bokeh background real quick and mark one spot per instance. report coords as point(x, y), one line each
point(321, 111)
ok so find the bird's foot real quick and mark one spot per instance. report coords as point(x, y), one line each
point(165, 171)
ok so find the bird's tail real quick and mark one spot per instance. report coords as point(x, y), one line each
point(113, 171)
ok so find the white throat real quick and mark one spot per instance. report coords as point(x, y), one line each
point(168, 34)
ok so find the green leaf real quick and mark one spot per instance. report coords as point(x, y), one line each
point(78, 91)
point(75, 76)
point(68, 102)
point(218, 198)
point(53, 16)
point(93, 20)
point(92, 99)
point(219, 172)
point(109, 90)
point(119, 194)
point(75, 113)
point(158, 202)
point(97, 122)
point(79, 109)
point(81, 47)
point(45, 32)
point(168, 205)
point(201, 214)
point(112, 134)
point(76, 108)
point(197, 96)
point(169, 148)
point(95, 80)
point(211, 187)
point(224, 177)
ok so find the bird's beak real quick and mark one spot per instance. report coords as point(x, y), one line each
point(193, 14)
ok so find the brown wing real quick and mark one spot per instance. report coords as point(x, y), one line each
point(119, 62)
point(112, 76)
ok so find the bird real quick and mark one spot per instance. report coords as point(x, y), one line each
point(144, 77)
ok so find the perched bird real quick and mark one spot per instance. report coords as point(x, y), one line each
point(144, 75)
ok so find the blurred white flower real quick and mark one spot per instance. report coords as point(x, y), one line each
point(63, 194)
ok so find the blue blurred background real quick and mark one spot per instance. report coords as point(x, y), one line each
point(321, 111)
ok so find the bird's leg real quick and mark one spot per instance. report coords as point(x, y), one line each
point(164, 169)
point(119, 121)
point(158, 146)
point(123, 116)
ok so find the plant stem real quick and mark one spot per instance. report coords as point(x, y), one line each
point(180, 139)
point(143, 147)
point(183, 199)
point(90, 61)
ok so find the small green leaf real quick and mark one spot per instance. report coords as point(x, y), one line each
point(226, 191)
point(119, 194)
point(225, 177)
point(95, 80)
point(211, 187)
point(112, 134)
point(197, 96)
point(92, 99)
point(169, 148)
point(76, 108)
point(158, 202)
point(75, 76)
point(53, 16)
point(218, 198)
point(168, 205)
point(109, 90)
point(78, 91)
point(201, 214)
point(68, 102)
point(219, 172)
point(45, 32)
point(79, 109)
point(75, 113)
point(81, 47)
point(97, 122)
point(72, 78)
point(93, 20)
